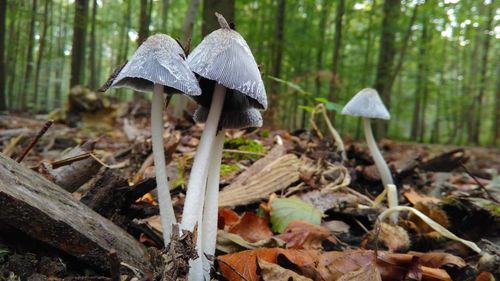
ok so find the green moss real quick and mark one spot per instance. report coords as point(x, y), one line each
point(246, 145)
point(228, 169)
point(264, 133)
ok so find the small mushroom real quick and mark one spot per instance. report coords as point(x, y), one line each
point(367, 104)
point(159, 66)
point(231, 84)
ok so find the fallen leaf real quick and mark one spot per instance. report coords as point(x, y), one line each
point(414, 197)
point(231, 243)
point(303, 235)
point(226, 217)
point(334, 265)
point(285, 210)
point(244, 264)
point(394, 237)
point(433, 212)
point(438, 259)
point(252, 228)
point(274, 272)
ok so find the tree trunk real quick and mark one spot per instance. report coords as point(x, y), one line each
point(78, 45)
point(416, 128)
point(325, 9)
point(187, 26)
point(337, 44)
point(164, 16)
point(223, 7)
point(276, 60)
point(3, 19)
point(92, 67)
point(13, 54)
point(29, 57)
point(61, 36)
point(143, 23)
point(387, 52)
point(495, 126)
point(41, 54)
point(475, 133)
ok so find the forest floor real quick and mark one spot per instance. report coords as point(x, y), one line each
point(290, 209)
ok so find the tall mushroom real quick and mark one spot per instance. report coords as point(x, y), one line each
point(367, 104)
point(230, 82)
point(159, 66)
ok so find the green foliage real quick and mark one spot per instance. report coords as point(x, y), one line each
point(286, 210)
point(228, 169)
point(246, 145)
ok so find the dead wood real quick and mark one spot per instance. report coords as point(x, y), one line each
point(275, 176)
point(445, 162)
point(72, 176)
point(45, 212)
point(276, 152)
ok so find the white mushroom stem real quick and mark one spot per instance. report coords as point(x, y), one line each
point(193, 205)
point(383, 169)
point(167, 215)
point(211, 206)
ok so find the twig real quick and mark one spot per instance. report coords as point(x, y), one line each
point(114, 263)
point(35, 140)
point(478, 183)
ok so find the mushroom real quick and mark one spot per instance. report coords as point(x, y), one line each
point(231, 83)
point(159, 66)
point(367, 104)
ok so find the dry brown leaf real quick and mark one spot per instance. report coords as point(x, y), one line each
point(395, 265)
point(485, 276)
point(334, 265)
point(433, 212)
point(303, 235)
point(244, 264)
point(414, 197)
point(274, 272)
point(394, 237)
point(252, 228)
point(227, 217)
point(438, 259)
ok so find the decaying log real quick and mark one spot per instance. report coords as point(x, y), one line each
point(275, 176)
point(445, 162)
point(44, 211)
point(72, 176)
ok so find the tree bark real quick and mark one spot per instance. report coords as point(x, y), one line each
point(143, 23)
point(223, 7)
point(92, 67)
point(276, 61)
point(475, 133)
point(78, 45)
point(337, 45)
point(3, 19)
point(416, 128)
point(41, 54)
point(387, 52)
point(495, 126)
point(29, 57)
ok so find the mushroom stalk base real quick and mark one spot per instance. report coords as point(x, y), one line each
point(211, 206)
point(167, 215)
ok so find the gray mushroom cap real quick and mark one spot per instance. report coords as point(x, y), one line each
point(232, 120)
point(224, 57)
point(367, 103)
point(159, 60)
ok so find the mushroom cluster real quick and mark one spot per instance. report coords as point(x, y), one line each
point(221, 75)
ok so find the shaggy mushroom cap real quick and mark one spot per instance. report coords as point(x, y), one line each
point(367, 103)
point(249, 118)
point(224, 57)
point(159, 60)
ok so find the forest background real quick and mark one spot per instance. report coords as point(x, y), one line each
point(435, 62)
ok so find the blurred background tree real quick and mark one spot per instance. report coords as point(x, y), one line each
point(435, 63)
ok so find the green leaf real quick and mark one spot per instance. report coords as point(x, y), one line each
point(286, 210)
point(309, 109)
point(334, 106)
point(291, 85)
